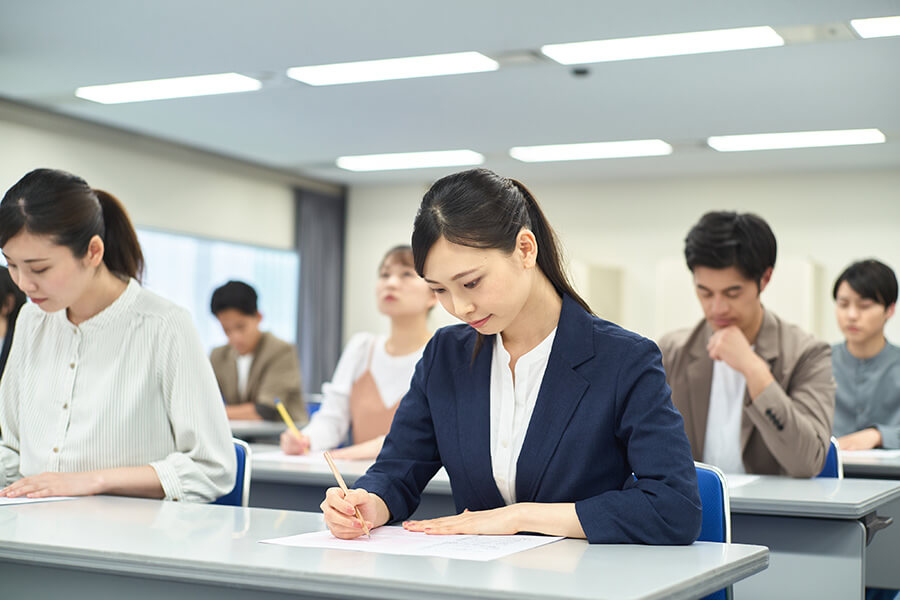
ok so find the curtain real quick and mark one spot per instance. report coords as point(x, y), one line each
point(320, 224)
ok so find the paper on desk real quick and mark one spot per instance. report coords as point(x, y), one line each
point(851, 454)
point(737, 480)
point(396, 540)
point(7, 501)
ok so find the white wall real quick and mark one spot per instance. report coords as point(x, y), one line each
point(171, 191)
point(821, 219)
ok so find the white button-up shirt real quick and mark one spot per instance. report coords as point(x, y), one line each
point(722, 444)
point(511, 406)
point(129, 387)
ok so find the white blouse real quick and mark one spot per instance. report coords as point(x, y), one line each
point(512, 404)
point(331, 423)
point(130, 386)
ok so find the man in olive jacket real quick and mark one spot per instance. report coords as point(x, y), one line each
point(255, 367)
point(756, 393)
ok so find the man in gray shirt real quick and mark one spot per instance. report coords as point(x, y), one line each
point(866, 367)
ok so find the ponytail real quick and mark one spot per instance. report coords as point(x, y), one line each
point(549, 258)
point(122, 251)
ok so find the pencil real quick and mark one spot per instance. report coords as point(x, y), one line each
point(340, 480)
point(287, 419)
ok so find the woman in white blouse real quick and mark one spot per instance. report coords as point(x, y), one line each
point(107, 389)
point(373, 372)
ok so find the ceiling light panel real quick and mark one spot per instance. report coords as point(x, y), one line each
point(394, 68)
point(879, 27)
point(410, 160)
point(797, 139)
point(164, 89)
point(672, 44)
point(591, 151)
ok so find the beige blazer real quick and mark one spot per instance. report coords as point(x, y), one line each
point(274, 373)
point(787, 428)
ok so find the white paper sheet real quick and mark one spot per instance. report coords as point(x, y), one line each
point(851, 454)
point(396, 540)
point(8, 501)
point(737, 480)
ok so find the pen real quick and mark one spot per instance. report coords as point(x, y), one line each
point(340, 480)
point(287, 419)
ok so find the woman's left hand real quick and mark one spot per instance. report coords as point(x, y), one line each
point(45, 485)
point(497, 521)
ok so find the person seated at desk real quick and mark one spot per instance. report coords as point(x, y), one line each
point(254, 367)
point(11, 301)
point(373, 372)
point(107, 389)
point(866, 367)
point(546, 418)
point(756, 393)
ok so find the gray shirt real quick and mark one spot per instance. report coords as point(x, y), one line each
point(868, 393)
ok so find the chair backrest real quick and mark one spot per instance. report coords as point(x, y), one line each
point(834, 466)
point(240, 493)
point(713, 488)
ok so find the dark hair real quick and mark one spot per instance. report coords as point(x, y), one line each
point(480, 209)
point(9, 288)
point(402, 254)
point(870, 279)
point(234, 294)
point(63, 206)
point(728, 239)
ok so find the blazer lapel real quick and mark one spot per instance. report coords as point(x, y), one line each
point(561, 391)
point(473, 414)
point(699, 377)
point(259, 359)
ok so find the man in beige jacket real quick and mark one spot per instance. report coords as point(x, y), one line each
point(255, 367)
point(756, 393)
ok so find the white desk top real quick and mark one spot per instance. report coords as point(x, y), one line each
point(219, 545)
point(874, 463)
point(285, 471)
point(256, 429)
point(822, 497)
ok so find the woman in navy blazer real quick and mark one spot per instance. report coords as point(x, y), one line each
point(601, 450)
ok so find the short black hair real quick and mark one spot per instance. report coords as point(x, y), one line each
point(724, 239)
point(870, 279)
point(234, 294)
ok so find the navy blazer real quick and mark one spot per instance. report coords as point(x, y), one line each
point(603, 412)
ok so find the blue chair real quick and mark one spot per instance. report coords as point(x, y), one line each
point(834, 466)
point(716, 525)
point(240, 493)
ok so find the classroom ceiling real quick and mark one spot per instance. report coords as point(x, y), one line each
point(50, 47)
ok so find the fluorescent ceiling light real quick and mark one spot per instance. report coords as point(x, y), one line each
point(161, 89)
point(798, 139)
point(589, 151)
point(671, 44)
point(879, 27)
point(409, 160)
point(394, 68)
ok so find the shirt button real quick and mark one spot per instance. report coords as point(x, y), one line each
point(504, 443)
point(65, 406)
point(56, 450)
point(71, 365)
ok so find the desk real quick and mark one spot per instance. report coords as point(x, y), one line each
point(256, 430)
point(286, 485)
point(107, 547)
point(881, 563)
point(812, 528)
